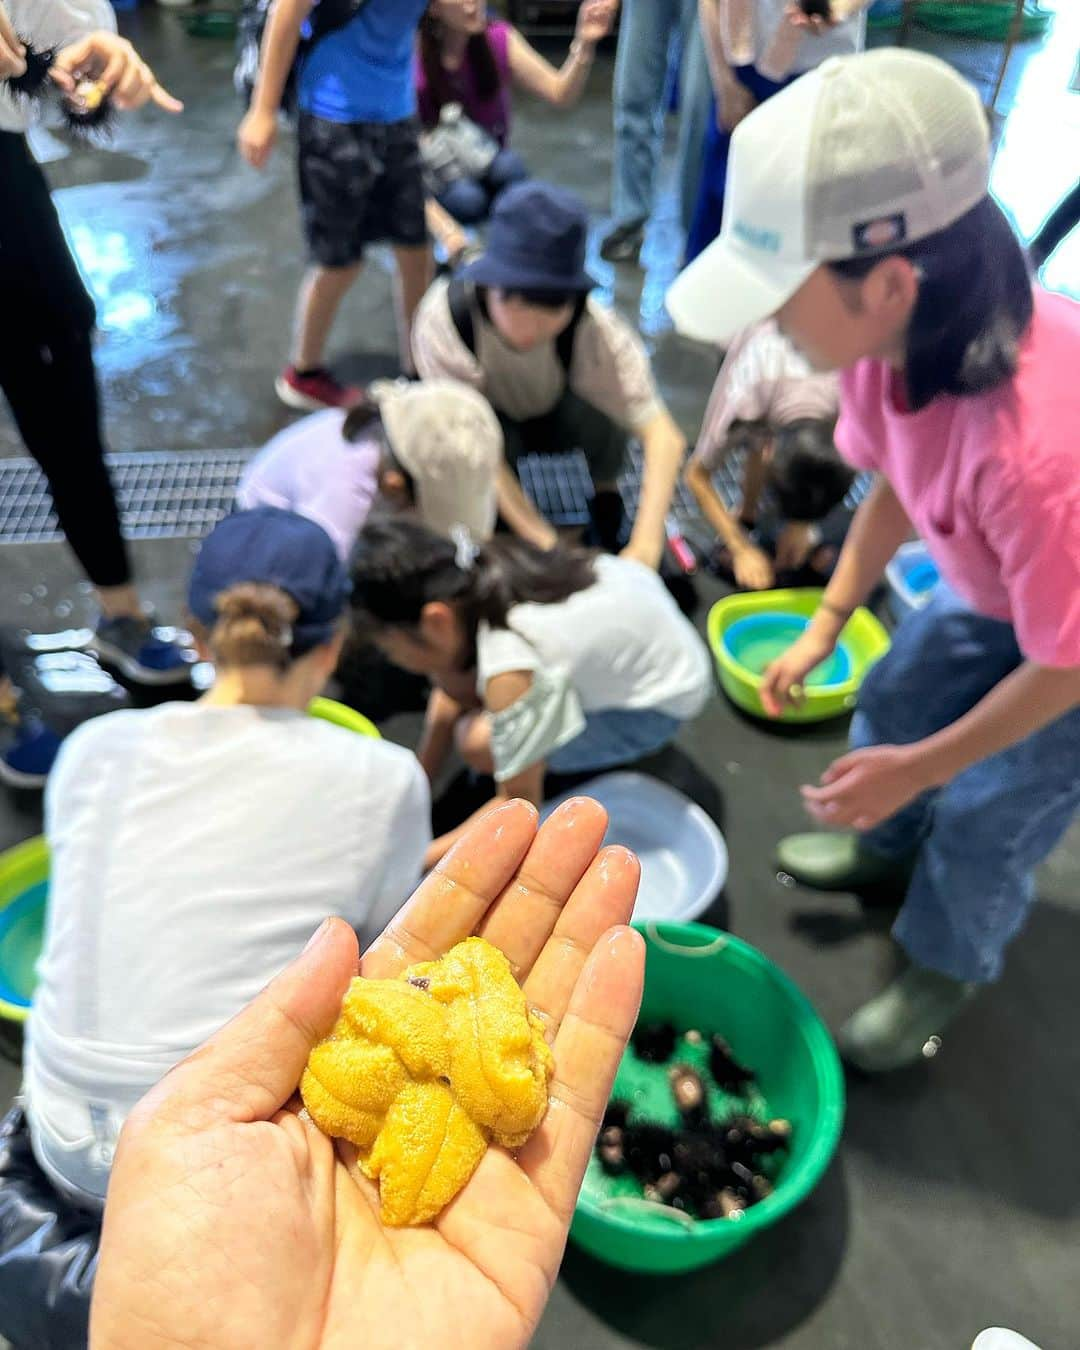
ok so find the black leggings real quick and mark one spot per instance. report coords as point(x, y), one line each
point(47, 366)
point(1061, 220)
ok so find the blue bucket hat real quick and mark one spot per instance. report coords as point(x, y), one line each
point(536, 241)
point(275, 548)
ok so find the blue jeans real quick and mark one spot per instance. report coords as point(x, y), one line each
point(709, 207)
point(980, 836)
point(469, 200)
point(614, 736)
point(640, 100)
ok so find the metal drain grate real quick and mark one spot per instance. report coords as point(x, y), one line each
point(180, 496)
point(161, 495)
point(560, 487)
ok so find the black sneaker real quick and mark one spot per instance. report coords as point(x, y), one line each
point(623, 243)
point(145, 654)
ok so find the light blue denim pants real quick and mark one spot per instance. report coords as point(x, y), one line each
point(981, 835)
point(640, 101)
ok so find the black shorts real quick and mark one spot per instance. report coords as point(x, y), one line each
point(360, 183)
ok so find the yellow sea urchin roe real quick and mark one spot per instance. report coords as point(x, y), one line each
point(422, 1072)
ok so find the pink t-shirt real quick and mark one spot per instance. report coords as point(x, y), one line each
point(991, 481)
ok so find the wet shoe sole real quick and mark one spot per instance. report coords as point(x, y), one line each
point(118, 659)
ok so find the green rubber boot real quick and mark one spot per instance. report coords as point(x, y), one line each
point(903, 1024)
point(839, 862)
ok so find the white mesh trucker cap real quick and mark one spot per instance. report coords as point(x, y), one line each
point(864, 153)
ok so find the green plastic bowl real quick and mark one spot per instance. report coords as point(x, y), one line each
point(24, 888)
point(696, 976)
point(748, 631)
point(330, 710)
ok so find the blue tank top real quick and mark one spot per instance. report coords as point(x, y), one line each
point(364, 71)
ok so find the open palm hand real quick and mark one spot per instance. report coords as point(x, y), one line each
point(231, 1221)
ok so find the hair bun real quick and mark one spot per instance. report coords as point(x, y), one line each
point(254, 626)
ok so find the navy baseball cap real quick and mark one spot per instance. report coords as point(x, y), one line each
point(274, 548)
point(536, 241)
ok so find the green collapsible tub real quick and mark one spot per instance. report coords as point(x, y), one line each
point(748, 631)
point(698, 977)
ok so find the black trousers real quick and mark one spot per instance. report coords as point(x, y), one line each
point(47, 366)
point(1060, 222)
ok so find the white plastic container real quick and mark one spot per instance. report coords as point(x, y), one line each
point(684, 860)
point(912, 576)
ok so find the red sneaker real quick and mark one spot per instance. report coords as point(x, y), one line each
point(316, 390)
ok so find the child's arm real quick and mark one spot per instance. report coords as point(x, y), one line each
point(663, 446)
point(502, 690)
point(258, 131)
point(520, 514)
point(563, 87)
point(437, 739)
point(444, 229)
point(751, 566)
point(865, 787)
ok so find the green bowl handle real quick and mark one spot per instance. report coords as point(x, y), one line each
point(640, 1204)
point(681, 949)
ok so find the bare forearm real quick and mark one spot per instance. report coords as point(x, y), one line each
point(534, 73)
point(278, 51)
point(664, 447)
point(520, 514)
point(879, 527)
point(1024, 702)
point(720, 73)
point(730, 532)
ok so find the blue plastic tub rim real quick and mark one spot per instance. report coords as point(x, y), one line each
point(771, 619)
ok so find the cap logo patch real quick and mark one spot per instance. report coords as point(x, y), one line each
point(767, 241)
point(880, 233)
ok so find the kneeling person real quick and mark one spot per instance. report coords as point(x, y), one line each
point(792, 519)
point(562, 371)
point(563, 660)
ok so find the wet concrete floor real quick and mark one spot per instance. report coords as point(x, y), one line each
point(954, 1201)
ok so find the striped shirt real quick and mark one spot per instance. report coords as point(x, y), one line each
point(763, 379)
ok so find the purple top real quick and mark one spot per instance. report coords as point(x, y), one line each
point(493, 114)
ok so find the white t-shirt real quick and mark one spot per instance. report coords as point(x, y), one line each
point(621, 643)
point(195, 850)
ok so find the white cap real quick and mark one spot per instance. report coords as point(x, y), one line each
point(863, 154)
point(446, 436)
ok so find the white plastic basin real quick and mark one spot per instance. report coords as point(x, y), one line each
point(684, 859)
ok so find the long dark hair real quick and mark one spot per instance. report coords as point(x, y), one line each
point(479, 58)
point(400, 566)
point(975, 304)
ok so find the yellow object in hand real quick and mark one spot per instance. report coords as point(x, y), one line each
point(421, 1073)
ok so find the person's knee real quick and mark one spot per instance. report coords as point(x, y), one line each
point(472, 738)
point(466, 200)
point(507, 168)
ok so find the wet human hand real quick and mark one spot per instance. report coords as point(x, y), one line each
point(781, 684)
point(229, 1211)
point(12, 51)
point(595, 19)
point(817, 24)
point(753, 568)
point(861, 789)
point(256, 136)
point(116, 67)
